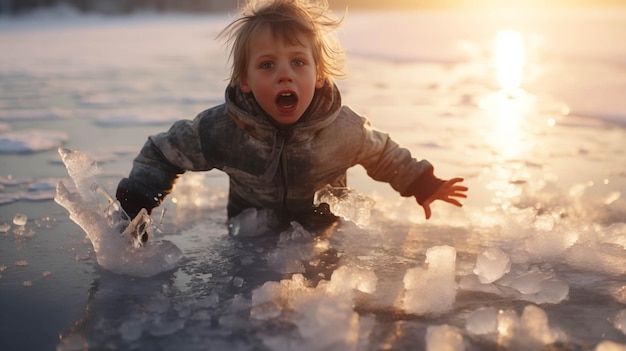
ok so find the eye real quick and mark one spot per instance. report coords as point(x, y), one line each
point(266, 65)
point(298, 62)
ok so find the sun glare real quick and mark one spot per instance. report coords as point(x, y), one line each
point(510, 57)
point(510, 104)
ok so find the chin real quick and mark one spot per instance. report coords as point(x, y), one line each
point(286, 120)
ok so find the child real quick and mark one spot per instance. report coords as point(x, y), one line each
point(282, 133)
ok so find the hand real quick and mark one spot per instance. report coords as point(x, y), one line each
point(449, 191)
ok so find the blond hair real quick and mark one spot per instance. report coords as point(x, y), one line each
point(286, 19)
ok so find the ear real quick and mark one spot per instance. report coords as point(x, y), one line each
point(243, 84)
point(320, 82)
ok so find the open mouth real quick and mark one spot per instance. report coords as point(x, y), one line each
point(287, 101)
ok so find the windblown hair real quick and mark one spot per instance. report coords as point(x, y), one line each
point(286, 19)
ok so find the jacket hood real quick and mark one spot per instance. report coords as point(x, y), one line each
point(248, 115)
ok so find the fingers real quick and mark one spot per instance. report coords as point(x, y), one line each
point(449, 192)
point(451, 184)
point(452, 190)
point(427, 211)
point(457, 193)
point(455, 202)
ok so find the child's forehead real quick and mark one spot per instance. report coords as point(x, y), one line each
point(281, 33)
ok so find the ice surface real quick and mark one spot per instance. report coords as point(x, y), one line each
point(28, 141)
point(137, 118)
point(131, 329)
point(27, 189)
point(28, 114)
point(431, 289)
point(600, 257)
point(102, 219)
point(347, 203)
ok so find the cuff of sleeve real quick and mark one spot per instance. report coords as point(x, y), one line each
point(424, 186)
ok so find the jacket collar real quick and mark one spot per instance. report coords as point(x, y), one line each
point(249, 116)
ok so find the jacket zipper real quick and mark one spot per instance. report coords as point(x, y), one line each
point(283, 135)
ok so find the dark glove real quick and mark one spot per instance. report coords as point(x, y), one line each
point(424, 186)
point(133, 197)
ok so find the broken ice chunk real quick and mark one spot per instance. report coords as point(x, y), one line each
point(491, 265)
point(346, 203)
point(20, 219)
point(347, 278)
point(137, 230)
point(103, 220)
point(432, 289)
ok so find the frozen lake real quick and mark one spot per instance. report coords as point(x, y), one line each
point(528, 106)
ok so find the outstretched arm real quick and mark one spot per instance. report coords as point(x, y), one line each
point(450, 191)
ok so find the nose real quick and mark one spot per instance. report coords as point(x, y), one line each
point(284, 75)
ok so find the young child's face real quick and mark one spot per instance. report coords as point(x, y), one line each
point(282, 77)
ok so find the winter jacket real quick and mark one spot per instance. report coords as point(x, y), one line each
point(270, 166)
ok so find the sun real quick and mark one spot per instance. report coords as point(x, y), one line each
point(510, 57)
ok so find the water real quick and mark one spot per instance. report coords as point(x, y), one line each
point(535, 257)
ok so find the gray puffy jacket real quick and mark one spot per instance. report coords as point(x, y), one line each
point(269, 166)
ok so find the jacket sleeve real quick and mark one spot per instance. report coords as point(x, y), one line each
point(162, 160)
point(384, 160)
